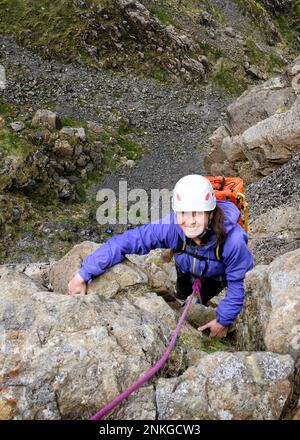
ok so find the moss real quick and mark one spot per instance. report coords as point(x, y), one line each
point(160, 75)
point(175, 365)
point(229, 77)
point(289, 25)
point(6, 108)
point(215, 344)
point(163, 13)
point(267, 61)
point(212, 52)
point(132, 149)
point(258, 14)
point(191, 8)
point(284, 109)
point(13, 143)
point(70, 122)
point(53, 26)
point(66, 32)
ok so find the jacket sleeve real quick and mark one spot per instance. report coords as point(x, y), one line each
point(139, 240)
point(238, 260)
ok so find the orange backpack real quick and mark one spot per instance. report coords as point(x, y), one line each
point(231, 189)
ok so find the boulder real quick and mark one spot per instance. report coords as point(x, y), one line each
point(37, 272)
point(277, 230)
point(258, 103)
point(63, 148)
point(73, 132)
point(17, 126)
point(46, 119)
point(270, 319)
point(262, 129)
point(66, 357)
point(155, 269)
point(239, 386)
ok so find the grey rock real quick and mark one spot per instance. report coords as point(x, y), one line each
point(17, 126)
point(220, 386)
point(47, 119)
point(270, 319)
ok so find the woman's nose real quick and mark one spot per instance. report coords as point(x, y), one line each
point(189, 219)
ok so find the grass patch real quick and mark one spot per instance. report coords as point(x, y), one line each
point(54, 26)
point(215, 344)
point(266, 61)
point(214, 53)
point(70, 122)
point(132, 149)
point(258, 14)
point(163, 14)
point(229, 78)
point(289, 26)
point(6, 109)
point(13, 144)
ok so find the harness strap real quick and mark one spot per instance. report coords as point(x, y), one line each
point(181, 249)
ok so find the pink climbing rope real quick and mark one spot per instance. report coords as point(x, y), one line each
point(160, 362)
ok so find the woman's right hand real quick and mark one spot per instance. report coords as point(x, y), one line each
point(77, 285)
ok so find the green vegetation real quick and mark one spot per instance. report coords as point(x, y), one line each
point(229, 77)
point(265, 60)
point(117, 145)
point(54, 26)
point(70, 122)
point(258, 14)
point(162, 12)
point(6, 109)
point(213, 53)
point(13, 144)
point(289, 25)
point(215, 344)
point(191, 8)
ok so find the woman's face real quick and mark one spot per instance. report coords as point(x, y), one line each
point(192, 223)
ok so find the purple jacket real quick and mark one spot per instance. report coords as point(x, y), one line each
point(237, 258)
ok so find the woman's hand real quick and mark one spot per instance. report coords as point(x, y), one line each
point(217, 330)
point(77, 285)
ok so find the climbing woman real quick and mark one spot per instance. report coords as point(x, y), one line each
point(207, 241)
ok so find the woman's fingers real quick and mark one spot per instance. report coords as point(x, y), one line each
point(75, 288)
point(204, 327)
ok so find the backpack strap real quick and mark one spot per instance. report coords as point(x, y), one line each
point(181, 249)
point(219, 251)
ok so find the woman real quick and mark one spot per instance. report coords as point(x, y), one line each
point(207, 242)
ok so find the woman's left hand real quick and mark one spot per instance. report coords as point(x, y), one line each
point(217, 330)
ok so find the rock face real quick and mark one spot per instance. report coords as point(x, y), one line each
point(277, 6)
point(278, 229)
point(274, 216)
point(175, 54)
point(222, 386)
point(65, 357)
point(270, 319)
point(155, 269)
point(262, 130)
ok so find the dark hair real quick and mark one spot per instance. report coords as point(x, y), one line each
point(217, 225)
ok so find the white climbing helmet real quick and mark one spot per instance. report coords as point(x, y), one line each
point(193, 193)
